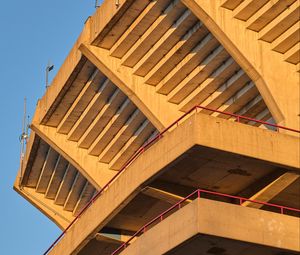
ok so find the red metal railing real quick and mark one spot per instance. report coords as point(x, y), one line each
point(178, 205)
point(241, 117)
point(151, 142)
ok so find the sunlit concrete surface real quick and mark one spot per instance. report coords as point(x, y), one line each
point(136, 68)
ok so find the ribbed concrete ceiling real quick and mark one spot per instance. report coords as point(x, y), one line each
point(276, 22)
point(100, 118)
point(52, 175)
point(165, 43)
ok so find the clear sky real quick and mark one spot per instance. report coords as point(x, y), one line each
point(32, 33)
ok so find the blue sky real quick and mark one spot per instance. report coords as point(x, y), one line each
point(32, 33)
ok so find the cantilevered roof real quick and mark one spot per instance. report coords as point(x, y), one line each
point(58, 185)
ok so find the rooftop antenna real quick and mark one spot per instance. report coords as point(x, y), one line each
point(48, 69)
point(23, 140)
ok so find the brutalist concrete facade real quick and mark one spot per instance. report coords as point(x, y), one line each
point(161, 99)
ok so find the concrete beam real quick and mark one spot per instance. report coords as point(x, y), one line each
point(247, 8)
point(65, 185)
point(249, 108)
point(225, 91)
point(80, 103)
point(101, 244)
point(230, 4)
point(56, 178)
point(102, 119)
point(166, 41)
point(281, 23)
point(74, 195)
point(148, 38)
point(273, 189)
point(96, 173)
point(132, 145)
point(104, 22)
point(105, 238)
point(54, 212)
point(187, 64)
point(91, 111)
point(38, 154)
point(209, 85)
point(182, 47)
point(245, 94)
point(143, 96)
point(293, 54)
point(122, 136)
point(269, 11)
point(217, 219)
point(49, 165)
point(112, 128)
point(164, 196)
point(118, 49)
point(26, 162)
point(264, 115)
point(198, 75)
point(86, 194)
point(287, 39)
point(251, 58)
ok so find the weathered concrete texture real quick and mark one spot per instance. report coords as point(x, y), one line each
point(254, 57)
point(195, 74)
point(135, 68)
point(198, 129)
point(96, 172)
point(106, 16)
point(251, 229)
point(51, 183)
point(145, 97)
point(100, 244)
point(273, 189)
point(94, 27)
point(248, 141)
point(112, 201)
point(54, 212)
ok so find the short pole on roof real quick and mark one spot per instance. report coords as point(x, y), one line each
point(48, 69)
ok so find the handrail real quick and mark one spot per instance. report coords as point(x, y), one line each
point(161, 217)
point(146, 146)
point(239, 117)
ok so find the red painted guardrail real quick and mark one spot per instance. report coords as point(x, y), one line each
point(178, 205)
point(152, 141)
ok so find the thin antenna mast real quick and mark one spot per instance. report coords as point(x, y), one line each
point(23, 140)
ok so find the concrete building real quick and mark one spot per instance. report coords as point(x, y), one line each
point(119, 125)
